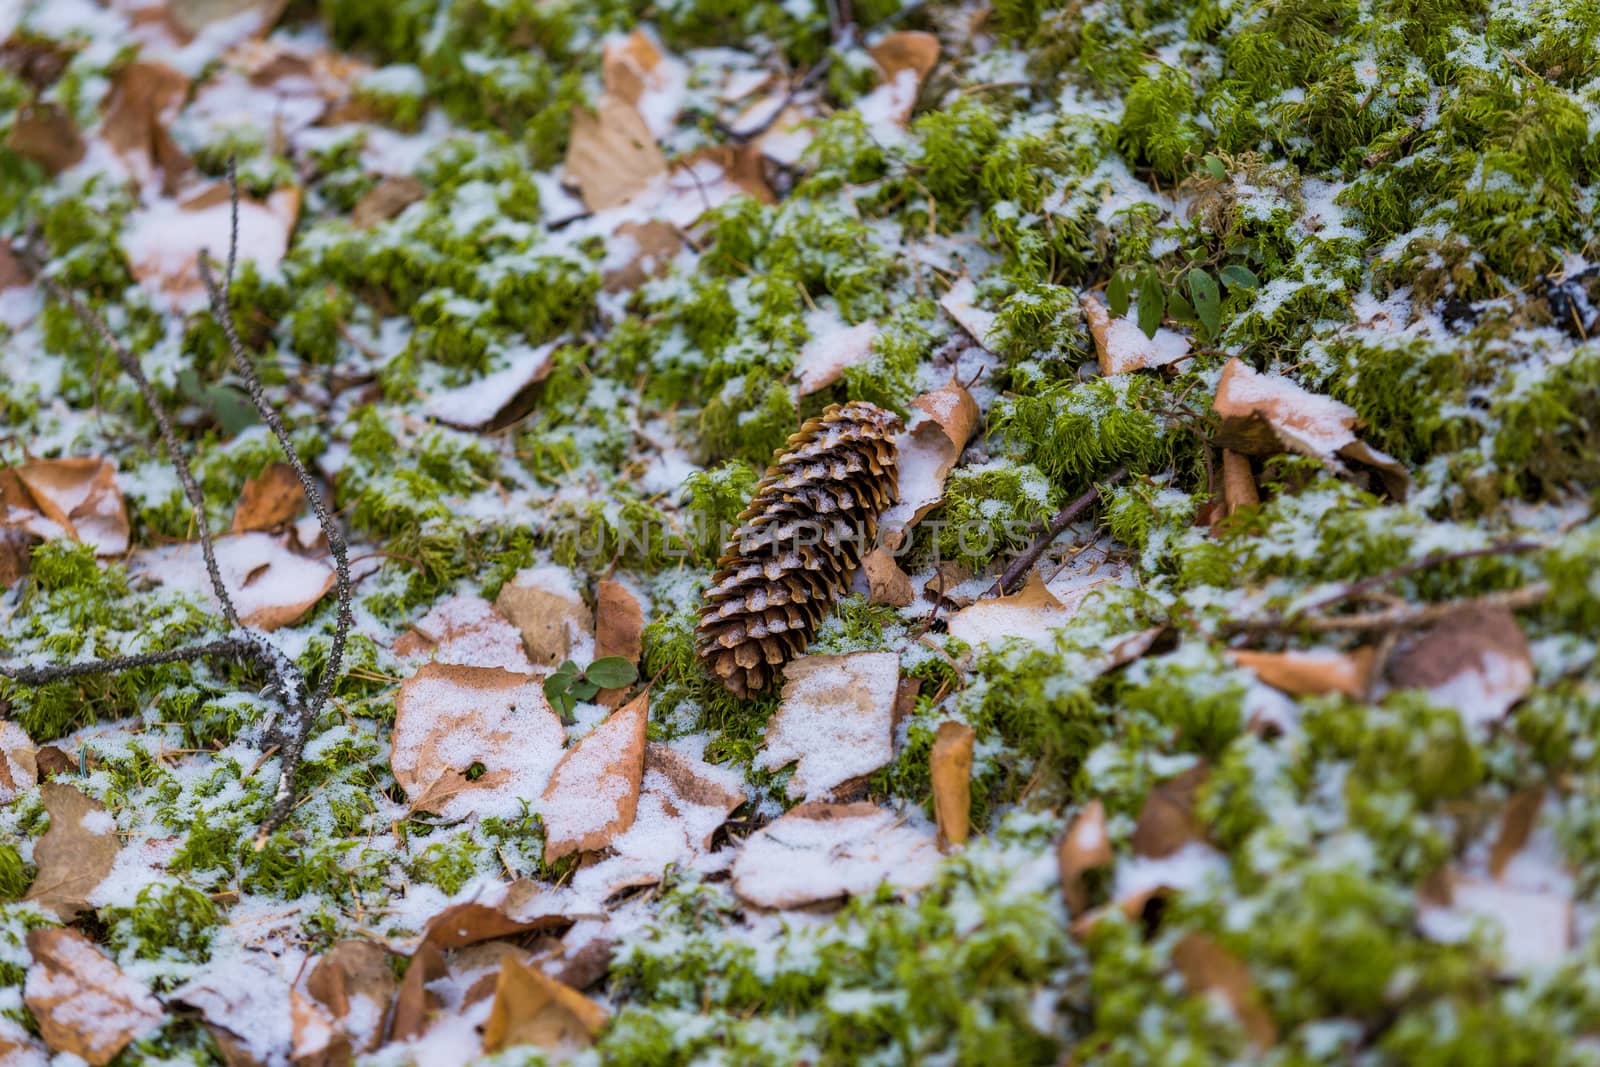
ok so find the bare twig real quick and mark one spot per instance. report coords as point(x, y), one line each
point(1062, 519)
point(1400, 617)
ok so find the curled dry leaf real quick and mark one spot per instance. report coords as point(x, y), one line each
point(959, 304)
point(500, 397)
point(634, 69)
point(836, 721)
point(145, 99)
point(1263, 415)
point(905, 58)
point(1209, 969)
point(270, 585)
point(466, 630)
point(829, 351)
point(642, 250)
point(352, 985)
point(1032, 611)
point(521, 907)
point(45, 133)
point(1238, 482)
point(76, 498)
point(1085, 847)
point(950, 767)
point(618, 622)
point(165, 240)
point(544, 603)
point(449, 717)
point(1314, 672)
point(1167, 821)
point(84, 1004)
point(1475, 660)
point(611, 154)
point(531, 1008)
point(1121, 346)
point(824, 852)
point(927, 452)
point(269, 500)
point(594, 791)
point(886, 582)
point(415, 1004)
point(75, 854)
point(386, 200)
point(19, 769)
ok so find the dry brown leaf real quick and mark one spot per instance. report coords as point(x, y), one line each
point(1516, 826)
point(928, 451)
point(449, 717)
point(499, 398)
point(270, 500)
point(466, 630)
point(82, 1001)
point(835, 723)
point(76, 498)
point(16, 554)
point(1238, 482)
point(594, 791)
point(533, 1009)
point(960, 303)
point(244, 1002)
point(950, 766)
point(354, 971)
point(611, 155)
point(905, 58)
point(1314, 672)
point(270, 585)
point(145, 98)
point(585, 965)
point(1085, 847)
point(386, 200)
point(1476, 660)
point(544, 603)
point(696, 783)
point(1208, 968)
point(1263, 415)
point(634, 69)
point(654, 243)
point(820, 852)
point(18, 1048)
point(827, 354)
point(707, 177)
point(19, 769)
point(1121, 346)
point(618, 622)
point(316, 1041)
point(905, 700)
point(75, 854)
point(164, 241)
point(46, 134)
point(1167, 821)
point(886, 582)
point(523, 906)
point(415, 1004)
point(1032, 610)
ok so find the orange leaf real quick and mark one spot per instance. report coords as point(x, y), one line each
point(1311, 673)
point(270, 500)
point(1207, 967)
point(593, 793)
point(83, 1002)
point(950, 765)
point(1084, 847)
point(75, 854)
point(1167, 822)
point(533, 1009)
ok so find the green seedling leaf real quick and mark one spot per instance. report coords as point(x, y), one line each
point(612, 672)
point(1178, 308)
point(1151, 303)
point(1207, 299)
point(1235, 276)
point(1215, 168)
point(583, 690)
point(555, 687)
point(1119, 292)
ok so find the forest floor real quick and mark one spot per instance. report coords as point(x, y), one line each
point(1282, 751)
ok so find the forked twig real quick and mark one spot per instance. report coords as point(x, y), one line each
point(1062, 519)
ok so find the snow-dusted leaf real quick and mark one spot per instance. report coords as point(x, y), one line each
point(1264, 414)
point(836, 721)
point(18, 765)
point(196, 16)
point(145, 98)
point(950, 768)
point(270, 585)
point(594, 792)
point(1476, 660)
point(821, 852)
point(449, 718)
point(1085, 847)
point(164, 240)
point(702, 793)
point(639, 251)
point(270, 500)
point(1313, 672)
point(544, 603)
point(959, 304)
point(353, 985)
point(904, 58)
point(927, 451)
point(75, 854)
point(76, 498)
point(886, 582)
point(709, 177)
point(1209, 969)
point(831, 349)
point(1028, 613)
point(244, 1001)
point(465, 629)
point(85, 1005)
point(531, 1008)
point(491, 400)
point(611, 154)
point(1121, 346)
point(634, 69)
point(18, 1048)
point(520, 907)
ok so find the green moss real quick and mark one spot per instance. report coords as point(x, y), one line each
point(172, 922)
point(15, 875)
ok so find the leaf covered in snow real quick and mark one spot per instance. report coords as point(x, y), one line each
point(76, 498)
point(467, 630)
point(85, 1005)
point(1121, 346)
point(821, 852)
point(594, 792)
point(270, 585)
point(1475, 660)
point(835, 723)
point(75, 854)
point(927, 452)
point(544, 603)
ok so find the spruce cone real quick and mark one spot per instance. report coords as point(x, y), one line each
point(812, 517)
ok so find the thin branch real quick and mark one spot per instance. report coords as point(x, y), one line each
point(1403, 617)
point(1063, 518)
point(229, 646)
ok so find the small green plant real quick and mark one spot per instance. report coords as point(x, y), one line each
point(570, 684)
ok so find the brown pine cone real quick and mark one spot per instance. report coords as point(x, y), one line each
point(813, 516)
